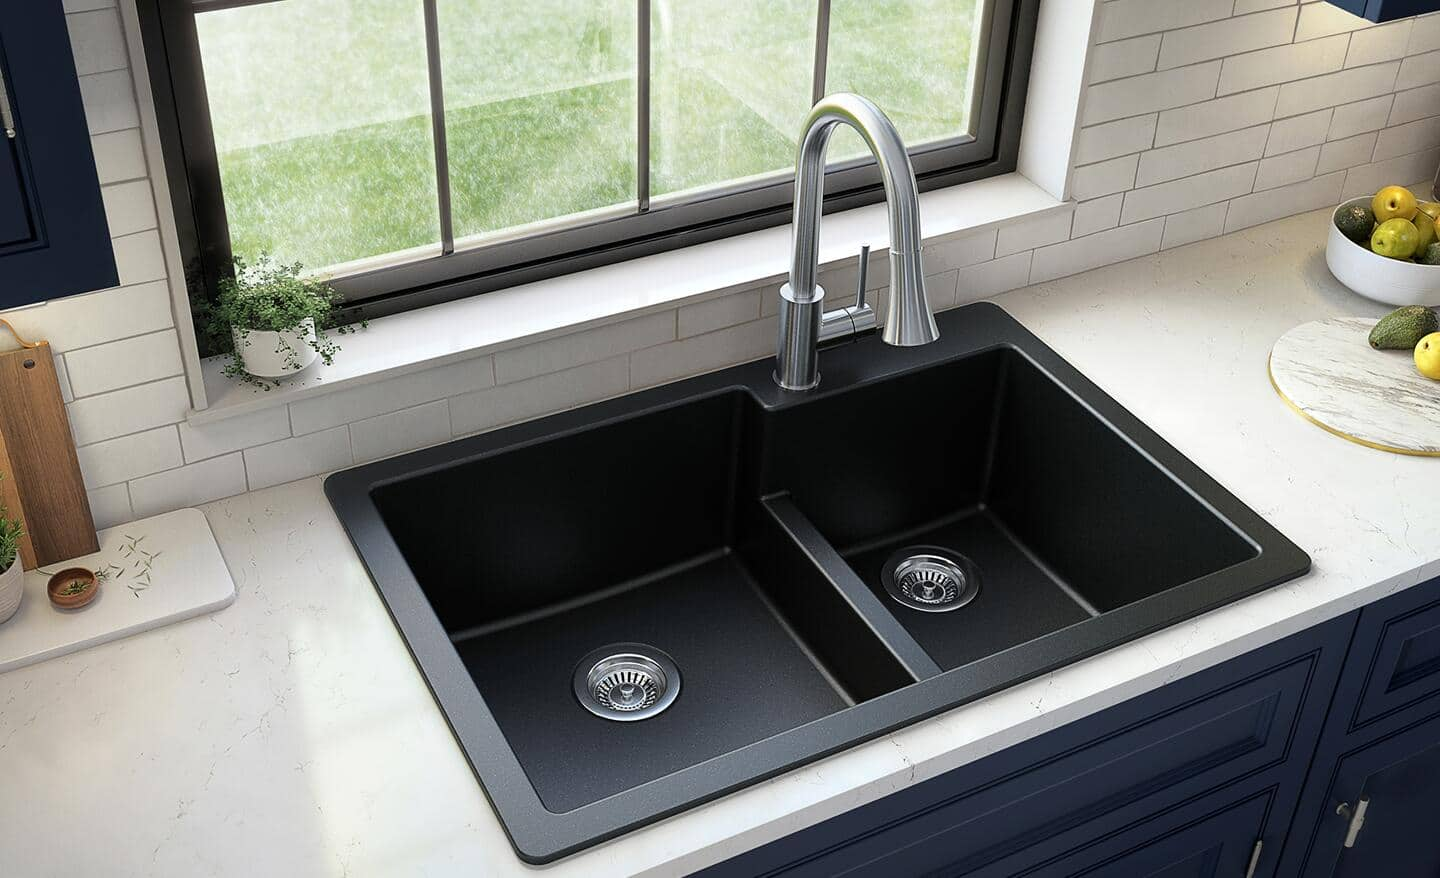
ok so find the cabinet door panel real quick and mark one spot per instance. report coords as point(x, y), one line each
point(54, 240)
point(14, 211)
point(1405, 667)
point(1216, 846)
point(1401, 778)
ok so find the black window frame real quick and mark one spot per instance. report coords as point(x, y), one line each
point(174, 65)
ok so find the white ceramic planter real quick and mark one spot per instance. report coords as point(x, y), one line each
point(265, 354)
point(1392, 281)
point(12, 586)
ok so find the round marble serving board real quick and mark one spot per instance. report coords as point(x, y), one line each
point(1327, 371)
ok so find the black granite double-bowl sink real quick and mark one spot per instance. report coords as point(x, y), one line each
point(781, 575)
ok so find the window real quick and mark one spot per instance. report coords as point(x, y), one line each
point(421, 150)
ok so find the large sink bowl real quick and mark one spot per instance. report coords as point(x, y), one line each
point(631, 608)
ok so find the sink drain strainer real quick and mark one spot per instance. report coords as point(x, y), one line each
point(627, 682)
point(930, 579)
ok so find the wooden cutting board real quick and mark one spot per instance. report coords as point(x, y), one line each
point(1330, 375)
point(41, 450)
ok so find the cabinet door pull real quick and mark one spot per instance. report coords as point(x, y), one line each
point(1254, 858)
point(7, 118)
point(1356, 817)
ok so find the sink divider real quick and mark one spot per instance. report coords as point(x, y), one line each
point(798, 528)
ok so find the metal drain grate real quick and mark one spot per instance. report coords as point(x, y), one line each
point(626, 682)
point(930, 579)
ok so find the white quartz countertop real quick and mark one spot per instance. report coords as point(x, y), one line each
point(291, 734)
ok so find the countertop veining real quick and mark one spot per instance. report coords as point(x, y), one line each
point(291, 733)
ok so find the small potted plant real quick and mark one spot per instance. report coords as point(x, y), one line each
point(276, 321)
point(12, 574)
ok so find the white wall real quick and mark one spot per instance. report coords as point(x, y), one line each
point(1201, 117)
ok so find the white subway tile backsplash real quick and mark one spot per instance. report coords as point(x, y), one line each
point(1418, 70)
point(703, 353)
point(188, 485)
point(1193, 225)
point(1228, 36)
point(552, 392)
point(718, 313)
point(960, 251)
point(1128, 18)
point(1417, 103)
point(1282, 64)
point(1290, 167)
point(386, 435)
point(146, 406)
point(1322, 19)
point(129, 207)
point(1245, 7)
point(1366, 179)
point(298, 458)
point(1407, 138)
point(119, 155)
point(992, 278)
point(1097, 215)
point(1153, 91)
point(97, 41)
point(1216, 117)
point(233, 434)
point(129, 457)
point(1104, 178)
point(1425, 35)
point(1334, 89)
point(1384, 43)
point(1262, 207)
point(1092, 251)
point(138, 258)
point(586, 346)
point(118, 364)
point(109, 100)
point(1100, 142)
point(82, 321)
point(62, 374)
point(110, 505)
point(1206, 154)
point(1340, 154)
point(1033, 233)
point(1298, 132)
point(1178, 195)
point(940, 289)
point(1359, 117)
point(1124, 58)
point(390, 395)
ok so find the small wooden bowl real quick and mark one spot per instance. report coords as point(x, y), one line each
point(60, 582)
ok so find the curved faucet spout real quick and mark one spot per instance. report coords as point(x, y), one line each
point(908, 318)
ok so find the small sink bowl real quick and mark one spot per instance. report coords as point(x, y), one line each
point(634, 607)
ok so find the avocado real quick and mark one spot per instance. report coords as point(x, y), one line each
point(1403, 328)
point(1430, 255)
point(1356, 223)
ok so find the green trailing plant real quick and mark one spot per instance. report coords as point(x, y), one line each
point(12, 530)
point(269, 296)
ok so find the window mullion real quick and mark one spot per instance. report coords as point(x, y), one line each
point(437, 125)
point(642, 105)
point(822, 51)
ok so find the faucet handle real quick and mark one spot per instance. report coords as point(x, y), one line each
point(864, 273)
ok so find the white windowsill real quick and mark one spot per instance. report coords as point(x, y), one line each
point(472, 327)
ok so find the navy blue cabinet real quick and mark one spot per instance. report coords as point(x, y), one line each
point(1192, 779)
point(53, 237)
point(1387, 10)
point(1379, 756)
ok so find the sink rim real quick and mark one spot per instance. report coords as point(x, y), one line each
point(539, 835)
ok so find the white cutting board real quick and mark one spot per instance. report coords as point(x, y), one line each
point(1328, 372)
point(187, 577)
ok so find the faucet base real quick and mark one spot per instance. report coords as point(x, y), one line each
point(797, 359)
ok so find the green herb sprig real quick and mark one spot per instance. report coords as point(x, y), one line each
point(12, 530)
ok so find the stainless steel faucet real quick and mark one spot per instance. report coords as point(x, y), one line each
point(804, 322)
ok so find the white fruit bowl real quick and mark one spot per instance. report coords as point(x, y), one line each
point(1392, 281)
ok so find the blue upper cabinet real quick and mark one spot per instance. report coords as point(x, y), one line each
point(53, 238)
point(1387, 10)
